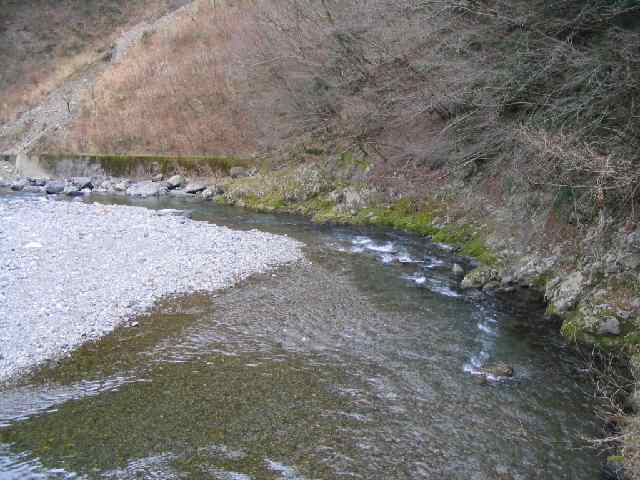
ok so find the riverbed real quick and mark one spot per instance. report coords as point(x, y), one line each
point(361, 362)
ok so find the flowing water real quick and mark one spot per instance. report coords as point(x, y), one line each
point(359, 363)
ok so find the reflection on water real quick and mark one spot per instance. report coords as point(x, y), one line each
point(356, 364)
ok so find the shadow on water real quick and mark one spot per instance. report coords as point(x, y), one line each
point(356, 364)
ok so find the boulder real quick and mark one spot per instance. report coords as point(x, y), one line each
point(122, 186)
point(195, 187)
point(82, 182)
point(106, 186)
point(217, 189)
point(158, 178)
point(479, 277)
point(146, 189)
point(19, 184)
point(178, 192)
point(4, 183)
point(238, 172)
point(71, 190)
point(33, 189)
point(563, 295)
point(37, 182)
point(52, 187)
point(176, 181)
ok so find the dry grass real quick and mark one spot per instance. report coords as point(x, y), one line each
point(44, 42)
point(181, 90)
point(542, 95)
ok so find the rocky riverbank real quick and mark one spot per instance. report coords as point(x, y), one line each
point(71, 272)
point(589, 278)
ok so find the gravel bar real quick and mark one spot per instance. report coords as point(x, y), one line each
point(71, 271)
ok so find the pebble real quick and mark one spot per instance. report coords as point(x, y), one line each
point(71, 271)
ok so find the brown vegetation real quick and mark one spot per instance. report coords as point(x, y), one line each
point(43, 42)
point(543, 96)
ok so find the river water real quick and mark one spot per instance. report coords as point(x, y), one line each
point(358, 364)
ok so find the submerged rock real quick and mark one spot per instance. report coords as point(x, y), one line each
point(171, 212)
point(82, 182)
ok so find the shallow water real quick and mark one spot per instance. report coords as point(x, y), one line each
point(358, 363)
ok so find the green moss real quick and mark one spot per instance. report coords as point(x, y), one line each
point(129, 165)
point(541, 280)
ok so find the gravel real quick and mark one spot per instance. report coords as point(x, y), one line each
point(71, 272)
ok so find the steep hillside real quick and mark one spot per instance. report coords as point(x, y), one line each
point(43, 42)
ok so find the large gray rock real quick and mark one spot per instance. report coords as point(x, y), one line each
point(82, 182)
point(71, 190)
point(480, 277)
point(37, 182)
point(122, 186)
point(146, 189)
point(19, 184)
point(563, 295)
point(176, 181)
point(54, 186)
point(106, 186)
point(195, 187)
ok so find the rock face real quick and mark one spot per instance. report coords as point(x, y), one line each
point(146, 189)
point(176, 181)
point(562, 295)
point(53, 187)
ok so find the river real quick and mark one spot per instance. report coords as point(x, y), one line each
point(358, 364)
